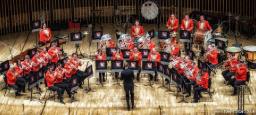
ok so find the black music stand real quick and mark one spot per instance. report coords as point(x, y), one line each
point(117, 66)
point(150, 68)
point(145, 53)
point(163, 35)
point(221, 43)
point(34, 81)
point(161, 70)
point(126, 53)
point(88, 74)
point(101, 66)
point(165, 57)
point(109, 52)
point(35, 26)
point(133, 65)
point(96, 36)
point(77, 38)
point(4, 66)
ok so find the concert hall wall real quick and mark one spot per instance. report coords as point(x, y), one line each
point(17, 15)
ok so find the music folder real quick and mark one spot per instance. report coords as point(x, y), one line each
point(165, 56)
point(88, 71)
point(4, 66)
point(144, 52)
point(163, 34)
point(101, 64)
point(148, 65)
point(133, 65)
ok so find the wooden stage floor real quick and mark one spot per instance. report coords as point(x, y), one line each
point(110, 98)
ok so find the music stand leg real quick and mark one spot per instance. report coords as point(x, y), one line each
point(88, 88)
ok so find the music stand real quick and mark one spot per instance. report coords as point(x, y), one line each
point(126, 53)
point(101, 65)
point(144, 52)
point(133, 65)
point(163, 35)
point(4, 66)
point(77, 38)
point(165, 57)
point(96, 36)
point(117, 66)
point(149, 66)
point(88, 74)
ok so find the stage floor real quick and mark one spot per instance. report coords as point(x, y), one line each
point(110, 98)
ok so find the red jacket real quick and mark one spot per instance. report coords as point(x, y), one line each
point(174, 24)
point(111, 44)
point(53, 52)
point(59, 75)
point(155, 57)
point(35, 63)
point(137, 31)
point(195, 73)
point(135, 56)
point(206, 26)
point(189, 27)
point(27, 68)
point(45, 35)
point(231, 64)
point(101, 57)
point(68, 70)
point(44, 56)
point(117, 56)
point(11, 78)
point(175, 51)
point(241, 73)
point(203, 82)
point(213, 57)
point(49, 78)
point(151, 45)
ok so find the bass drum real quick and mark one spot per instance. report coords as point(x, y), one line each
point(199, 37)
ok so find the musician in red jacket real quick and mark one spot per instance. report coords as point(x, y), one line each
point(172, 24)
point(27, 67)
point(203, 25)
point(212, 56)
point(50, 79)
point(136, 55)
point(187, 24)
point(117, 55)
point(154, 56)
point(137, 31)
point(14, 80)
point(230, 64)
point(111, 43)
point(45, 35)
point(101, 56)
point(55, 53)
point(202, 85)
point(175, 49)
point(240, 76)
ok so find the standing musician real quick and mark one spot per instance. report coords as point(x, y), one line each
point(155, 57)
point(172, 24)
point(50, 78)
point(203, 25)
point(14, 80)
point(55, 53)
point(201, 85)
point(117, 55)
point(45, 35)
point(230, 64)
point(175, 49)
point(135, 55)
point(187, 24)
point(137, 31)
point(240, 76)
point(101, 56)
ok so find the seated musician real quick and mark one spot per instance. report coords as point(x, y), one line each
point(230, 64)
point(135, 55)
point(203, 25)
point(192, 78)
point(201, 85)
point(45, 35)
point(187, 24)
point(101, 56)
point(14, 80)
point(212, 56)
point(55, 53)
point(27, 67)
point(75, 62)
point(130, 44)
point(59, 81)
point(50, 78)
point(36, 65)
point(172, 24)
point(118, 55)
point(240, 76)
point(151, 45)
point(45, 57)
point(154, 56)
point(175, 49)
point(137, 31)
point(111, 43)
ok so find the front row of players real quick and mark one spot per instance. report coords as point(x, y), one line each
point(58, 74)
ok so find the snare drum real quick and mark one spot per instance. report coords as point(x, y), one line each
point(250, 53)
point(233, 51)
point(199, 37)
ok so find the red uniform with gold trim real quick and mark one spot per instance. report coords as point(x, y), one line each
point(195, 72)
point(152, 45)
point(213, 57)
point(174, 23)
point(111, 44)
point(187, 25)
point(241, 72)
point(136, 56)
point(45, 56)
point(231, 64)
point(175, 51)
point(50, 78)
point(45, 35)
point(203, 82)
point(137, 31)
point(59, 72)
point(26, 64)
point(11, 77)
point(117, 56)
point(154, 57)
point(204, 26)
point(35, 63)
point(54, 53)
point(68, 70)
point(101, 56)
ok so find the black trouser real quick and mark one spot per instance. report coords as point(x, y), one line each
point(65, 86)
point(187, 47)
point(116, 75)
point(227, 75)
point(19, 85)
point(129, 94)
point(236, 84)
point(101, 77)
point(81, 76)
point(35, 76)
point(186, 84)
point(197, 92)
point(153, 77)
point(59, 90)
point(138, 74)
point(189, 86)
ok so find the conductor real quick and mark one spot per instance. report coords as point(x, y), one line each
point(127, 76)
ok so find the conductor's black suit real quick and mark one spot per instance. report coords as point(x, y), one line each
point(127, 76)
